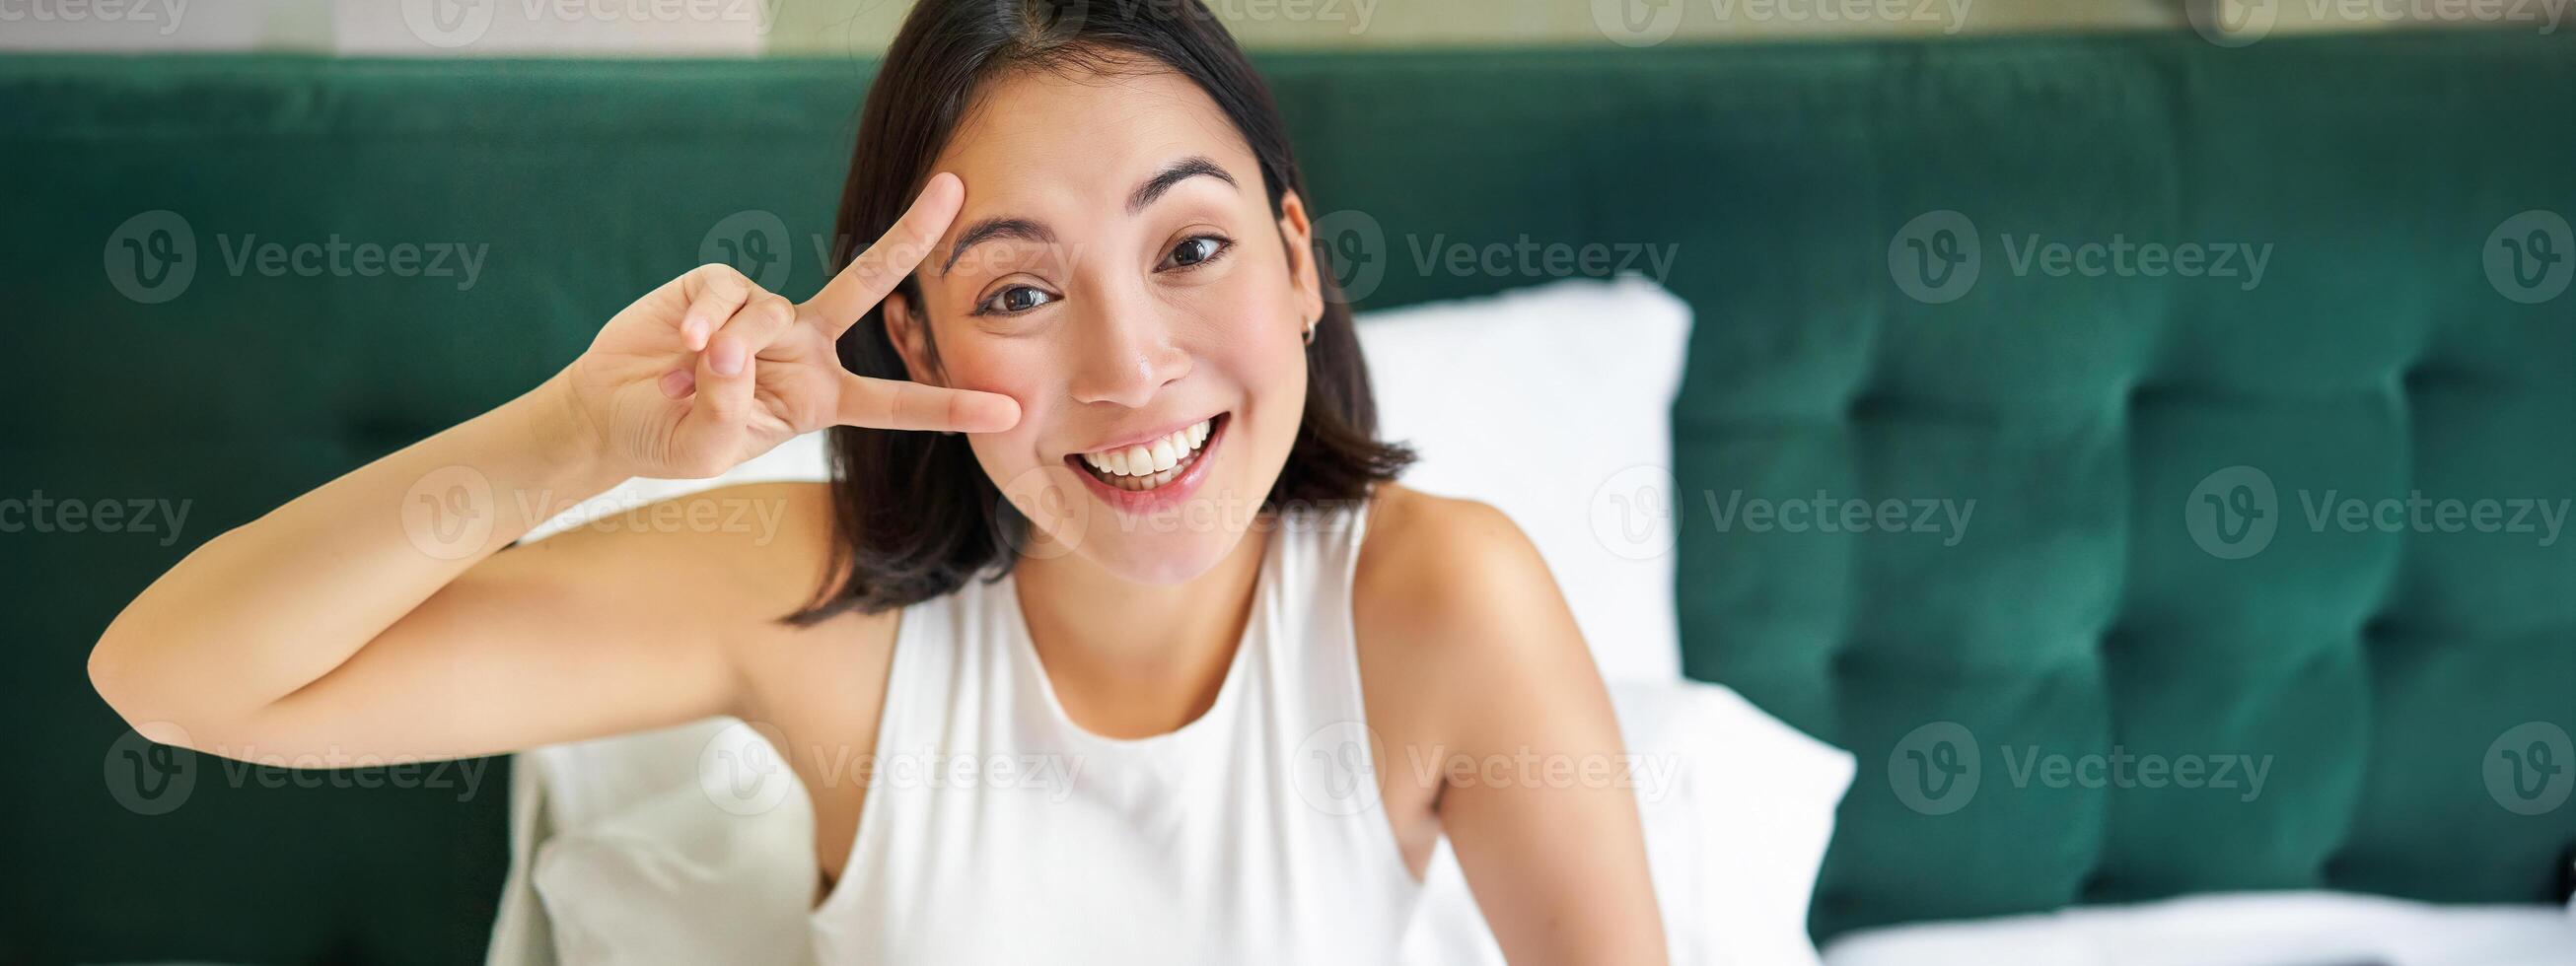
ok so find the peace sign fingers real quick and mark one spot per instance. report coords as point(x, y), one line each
point(875, 273)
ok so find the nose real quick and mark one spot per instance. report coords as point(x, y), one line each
point(1126, 353)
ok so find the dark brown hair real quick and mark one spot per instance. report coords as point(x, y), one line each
point(914, 516)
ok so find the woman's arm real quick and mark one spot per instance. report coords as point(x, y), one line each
point(249, 645)
point(372, 618)
point(1534, 794)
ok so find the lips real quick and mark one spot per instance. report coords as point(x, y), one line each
point(1156, 473)
point(1149, 464)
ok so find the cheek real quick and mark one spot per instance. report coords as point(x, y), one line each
point(1250, 314)
point(1246, 333)
point(1018, 369)
point(1262, 363)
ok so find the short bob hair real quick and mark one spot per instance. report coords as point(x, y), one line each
point(914, 516)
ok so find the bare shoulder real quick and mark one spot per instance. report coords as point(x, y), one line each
point(1453, 606)
point(1469, 658)
point(1432, 567)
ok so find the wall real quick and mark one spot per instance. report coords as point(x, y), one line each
point(838, 27)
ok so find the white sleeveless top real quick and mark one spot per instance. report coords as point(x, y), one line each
point(996, 830)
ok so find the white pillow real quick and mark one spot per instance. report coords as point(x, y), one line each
point(1737, 808)
point(1554, 404)
point(648, 865)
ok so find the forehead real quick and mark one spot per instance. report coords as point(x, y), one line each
point(1084, 137)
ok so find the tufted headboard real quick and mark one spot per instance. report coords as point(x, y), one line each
point(2139, 511)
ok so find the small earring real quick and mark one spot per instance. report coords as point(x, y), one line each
point(1309, 335)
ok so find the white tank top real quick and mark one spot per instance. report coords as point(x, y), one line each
point(996, 830)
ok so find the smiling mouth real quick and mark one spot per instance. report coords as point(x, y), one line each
point(1150, 465)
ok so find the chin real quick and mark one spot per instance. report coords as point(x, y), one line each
point(1149, 557)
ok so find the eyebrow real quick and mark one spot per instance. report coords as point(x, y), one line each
point(1172, 174)
point(992, 228)
point(1145, 194)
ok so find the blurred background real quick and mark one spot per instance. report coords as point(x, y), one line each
point(1810, 190)
point(823, 27)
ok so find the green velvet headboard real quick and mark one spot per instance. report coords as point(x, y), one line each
point(2105, 601)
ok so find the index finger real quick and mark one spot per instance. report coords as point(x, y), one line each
point(902, 404)
point(885, 264)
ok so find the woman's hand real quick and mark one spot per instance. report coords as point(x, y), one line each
point(374, 616)
point(710, 370)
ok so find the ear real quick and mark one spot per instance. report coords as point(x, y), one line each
point(905, 330)
point(1302, 271)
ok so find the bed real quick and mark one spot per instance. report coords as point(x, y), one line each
point(1919, 278)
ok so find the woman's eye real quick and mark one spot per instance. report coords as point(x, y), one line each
point(1196, 251)
point(1013, 300)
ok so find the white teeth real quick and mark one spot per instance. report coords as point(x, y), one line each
point(1147, 459)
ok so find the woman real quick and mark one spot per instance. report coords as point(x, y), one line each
point(1106, 498)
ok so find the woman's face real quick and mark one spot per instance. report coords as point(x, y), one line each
point(1117, 270)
